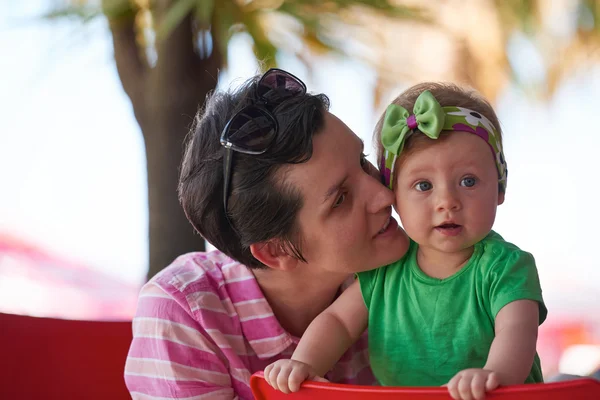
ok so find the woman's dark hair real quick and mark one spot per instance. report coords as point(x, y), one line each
point(262, 205)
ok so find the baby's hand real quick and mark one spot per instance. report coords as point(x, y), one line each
point(288, 375)
point(472, 383)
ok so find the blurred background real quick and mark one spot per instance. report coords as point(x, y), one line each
point(97, 96)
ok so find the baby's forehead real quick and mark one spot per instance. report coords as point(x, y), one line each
point(452, 148)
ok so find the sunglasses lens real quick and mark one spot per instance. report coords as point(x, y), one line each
point(251, 130)
point(276, 86)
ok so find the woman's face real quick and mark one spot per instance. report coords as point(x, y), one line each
point(345, 222)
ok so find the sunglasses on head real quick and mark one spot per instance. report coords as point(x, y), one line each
point(252, 129)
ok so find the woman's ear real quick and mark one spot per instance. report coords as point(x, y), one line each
point(273, 254)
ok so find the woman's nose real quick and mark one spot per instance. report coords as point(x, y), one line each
point(378, 196)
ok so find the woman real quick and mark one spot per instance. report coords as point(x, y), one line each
point(282, 189)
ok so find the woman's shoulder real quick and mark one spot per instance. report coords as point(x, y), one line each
point(196, 269)
point(196, 278)
point(186, 324)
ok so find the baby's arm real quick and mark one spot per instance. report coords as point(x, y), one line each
point(511, 354)
point(513, 349)
point(324, 342)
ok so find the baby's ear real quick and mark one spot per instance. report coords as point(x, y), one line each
point(272, 254)
point(500, 198)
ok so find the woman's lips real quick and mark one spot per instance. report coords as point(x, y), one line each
point(390, 226)
point(385, 226)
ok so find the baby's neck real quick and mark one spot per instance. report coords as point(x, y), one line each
point(442, 265)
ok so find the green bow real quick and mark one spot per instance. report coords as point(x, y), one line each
point(429, 118)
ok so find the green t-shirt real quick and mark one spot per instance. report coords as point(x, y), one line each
point(423, 330)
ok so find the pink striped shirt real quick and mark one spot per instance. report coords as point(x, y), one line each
point(203, 326)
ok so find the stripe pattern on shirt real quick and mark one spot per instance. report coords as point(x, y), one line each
point(203, 326)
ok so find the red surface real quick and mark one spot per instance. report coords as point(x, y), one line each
point(581, 389)
point(46, 358)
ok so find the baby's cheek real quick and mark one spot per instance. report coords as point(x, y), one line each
point(402, 204)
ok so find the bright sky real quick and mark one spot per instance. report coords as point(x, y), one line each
point(72, 172)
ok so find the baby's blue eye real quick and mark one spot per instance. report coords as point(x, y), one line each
point(468, 182)
point(423, 186)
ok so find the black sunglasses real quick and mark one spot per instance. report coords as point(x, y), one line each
point(252, 129)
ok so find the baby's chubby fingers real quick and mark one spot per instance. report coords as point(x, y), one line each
point(272, 372)
point(287, 375)
point(464, 387)
point(471, 384)
point(267, 373)
point(478, 386)
point(298, 374)
point(283, 378)
point(453, 387)
point(492, 382)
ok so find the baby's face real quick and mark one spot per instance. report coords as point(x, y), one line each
point(447, 193)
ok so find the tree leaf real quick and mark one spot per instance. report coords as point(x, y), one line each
point(264, 49)
point(82, 12)
point(173, 17)
point(204, 11)
point(225, 16)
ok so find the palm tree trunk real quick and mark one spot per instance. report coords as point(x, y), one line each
point(165, 99)
point(170, 234)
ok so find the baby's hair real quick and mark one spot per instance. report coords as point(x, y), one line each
point(447, 94)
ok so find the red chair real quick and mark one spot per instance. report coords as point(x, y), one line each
point(580, 389)
point(47, 358)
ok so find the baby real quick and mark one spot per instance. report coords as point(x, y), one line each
point(463, 306)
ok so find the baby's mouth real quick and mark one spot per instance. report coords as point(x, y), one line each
point(449, 229)
point(448, 226)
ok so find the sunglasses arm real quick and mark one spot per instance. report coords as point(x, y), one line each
point(227, 162)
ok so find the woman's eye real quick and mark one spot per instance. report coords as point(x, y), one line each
point(423, 186)
point(468, 181)
point(339, 200)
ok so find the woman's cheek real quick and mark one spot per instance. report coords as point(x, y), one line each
point(373, 171)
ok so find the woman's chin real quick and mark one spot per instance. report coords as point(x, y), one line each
point(397, 247)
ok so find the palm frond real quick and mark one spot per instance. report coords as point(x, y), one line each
point(204, 12)
point(264, 50)
point(523, 15)
point(173, 17)
point(88, 11)
point(588, 16)
point(226, 15)
point(83, 13)
point(377, 32)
